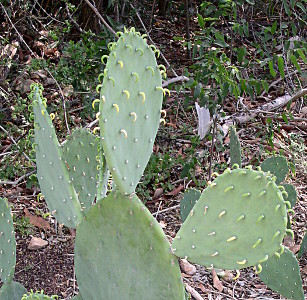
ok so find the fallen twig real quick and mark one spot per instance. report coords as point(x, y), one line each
point(17, 180)
point(275, 104)
point(193, 292)
point(175, 79)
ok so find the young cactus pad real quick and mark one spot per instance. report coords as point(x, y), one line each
point(303, 248)
point(130, 108)
point(239, 221)
point(186, 204)
point(38, 296)
point(235, 147)
point(291, 192)
point(122, 253)
point(79, 153)
point(12, 291)
point(52, 173)
point(7, 243)
point(277, 165)
point(282, 275)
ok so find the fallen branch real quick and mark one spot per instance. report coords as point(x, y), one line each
point(175, 79)
point(4, 182)
point(275, 104)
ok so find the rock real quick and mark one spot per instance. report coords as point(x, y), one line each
point(187, 267)
point(37, 243)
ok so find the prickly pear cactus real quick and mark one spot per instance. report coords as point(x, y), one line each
point(186, 204)
point(52, 173)
point(282, 275)
point(7, 243)
point(79, 154)
point(130, 108)
point(277, 165)
point(235, 147)
point(38, 296)
point(239, 221)
point(121, 252)
point(12, 291)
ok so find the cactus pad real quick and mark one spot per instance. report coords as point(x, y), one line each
point(303, 248)
point(52, 173)
point(186, 204)
point(7, 243)
point(235, 147)
point(12, 291)
point(292, 195)
point(121, 252)
point(282, 275)
point(239, 221)
point(130, 108)
point(277, 165)
point(79, 153)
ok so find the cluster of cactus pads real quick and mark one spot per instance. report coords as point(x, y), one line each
point(121, 252)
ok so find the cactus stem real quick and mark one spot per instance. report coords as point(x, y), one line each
point(259, 269)
point(120, 62)
point(129, 47)
point(262, 193)
point(260, 218)
point(276, 234)
point(103, 57)
point(124, 132)
point(264, 259)
point(116, 107)
point(134, 116)
point(152, 71)
point(136, 75)
point(229, 188)
point(257, 243)
point(126, 93)
point(240, 218)
point(94, 102)
point(233, 238)
point(243, 262)
point(215, 254)
point(222, 213)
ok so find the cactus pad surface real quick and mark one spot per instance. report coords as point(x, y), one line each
point(239, 221)
point(12, 291)
point(277, 165)
point(52, 173)
point(130, 108)
point(7, 243)
point(235, 147)
point(186, 204)
point(282, 275)
point(122, 253)
point(79, 153)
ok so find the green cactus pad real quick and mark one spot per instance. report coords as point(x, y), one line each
point(277, 165)
point(130, 109)
point(12, 291)
point(39, 296)
point(7, 243)
point(104, 175)
point(121, 252)
point(282, 275)
point(239, 221)
point(303, 248)
point(79, 153)
point(235, 147)
point(292, 195)
point(52, 173)
point(186, 204)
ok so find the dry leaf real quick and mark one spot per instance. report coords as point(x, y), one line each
point(216, 282)
point(187, 267)
point(36, 221)
point(157, 194)
point(176, 191)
